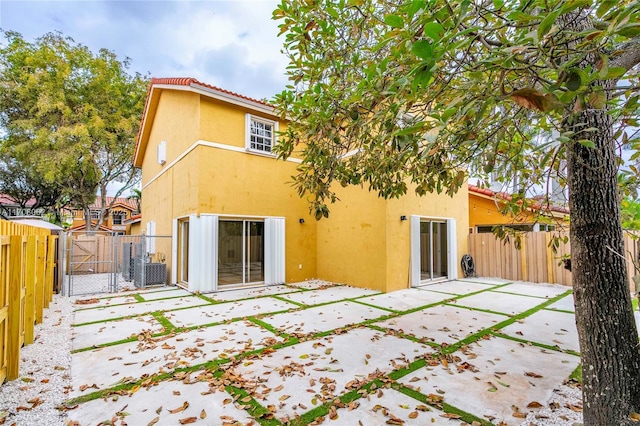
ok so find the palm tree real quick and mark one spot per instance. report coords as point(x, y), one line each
point(136, 195)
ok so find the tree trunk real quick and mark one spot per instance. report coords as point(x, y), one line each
point(604, 315)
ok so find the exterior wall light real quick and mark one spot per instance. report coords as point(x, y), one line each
point(403, 217)
point(301, 220)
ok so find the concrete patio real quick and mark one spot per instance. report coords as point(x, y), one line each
point(475, 351)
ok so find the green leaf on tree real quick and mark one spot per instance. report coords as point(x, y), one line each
point(587, 143)
point(433, 30)
point(422, 49)
point(394, 21)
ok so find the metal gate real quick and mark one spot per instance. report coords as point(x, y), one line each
point(107, 262)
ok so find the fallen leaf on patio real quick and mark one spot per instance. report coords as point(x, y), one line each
point(35, 402)
point(333, 413)
point(26, 379)
point(159, 409)
point(413, 415)
point(394, 421)
point(188, 420)
point(284, 397)
point(87, 301)
point(177, 393)
point(534, 404)
point(134, 389)
point(279, 388)
point(184, 406)
point(246, 399)
point(634, 417)
point(353, 405)
point(415, 379)
point(503, 384)
point(304, 356)
point(328, 351)
point(154, 421)
point(519, 415)
point(532, 374)
point(227, 401)
point(423, 407)
point(450, 416)
point(575, 408)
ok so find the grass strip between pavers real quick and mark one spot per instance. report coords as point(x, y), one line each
point(293, 302)
point(168, 325)
point(555, 348)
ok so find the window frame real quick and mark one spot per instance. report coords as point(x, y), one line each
point(249, 119)
point(122, 215)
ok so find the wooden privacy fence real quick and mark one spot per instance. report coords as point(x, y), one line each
point(536, 261)
point(27, 258)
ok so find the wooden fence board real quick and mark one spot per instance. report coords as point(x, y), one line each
point(537, 261)
point(16, 307)
point(5, 245)
point(30, 281)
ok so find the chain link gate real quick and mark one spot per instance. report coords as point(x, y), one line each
point(106, 262)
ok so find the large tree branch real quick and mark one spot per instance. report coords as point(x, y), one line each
point(629, 55)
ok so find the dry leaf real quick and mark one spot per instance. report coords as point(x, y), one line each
point(532, 374)
point(184, 406)
point(154, 421)
point(188, 420)
point(534, 404)
point(413, 414)
point(203, 414)
point(450, 416)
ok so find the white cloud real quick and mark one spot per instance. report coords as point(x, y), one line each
point(231, 44)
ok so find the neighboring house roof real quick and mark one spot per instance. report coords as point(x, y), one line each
point(503, 195)
point(8, 201)
point(82, 226)
point(192, 85)
point(120, 201)
point(133, 219)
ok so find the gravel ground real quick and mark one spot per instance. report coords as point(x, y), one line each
point(45, 374)
point(44, 380)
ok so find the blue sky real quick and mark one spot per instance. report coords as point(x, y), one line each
point(230, 44)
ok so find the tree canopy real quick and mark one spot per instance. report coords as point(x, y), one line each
point(69, 117)
point(420, 94)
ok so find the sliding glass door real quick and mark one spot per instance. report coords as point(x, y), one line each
point(433, 250)
point(240, 252)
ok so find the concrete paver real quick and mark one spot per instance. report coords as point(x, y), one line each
point(289, 375)
point(403, 300)
point(112, 312)
point(547, 327)
point(387, 404)
point(443, 324)
point(500, 302)
point(323, 318)
point(539, 290)
point(229, 295)
point(154, 402)
point(87, 336)
point(165, 354)
point(225, 311)
point(458, 287)
point(495, 375)
point(564, 304)
point(318, 370)
point(178, 292)
point(333, 294)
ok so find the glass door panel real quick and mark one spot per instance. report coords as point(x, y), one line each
point(240, 252)
point(254, 254)
point(433, 250)
point(183, 251)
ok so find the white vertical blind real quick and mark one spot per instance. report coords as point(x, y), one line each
point(174, 251)
point(151, 232)
point(203, 253)
point(415, 251)
point(274, 250)
point(452, 247)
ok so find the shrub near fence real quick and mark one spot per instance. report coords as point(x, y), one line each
point(27, 258)
point(536, 261)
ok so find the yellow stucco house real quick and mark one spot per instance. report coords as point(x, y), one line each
point(210, 180)
point(484, 213)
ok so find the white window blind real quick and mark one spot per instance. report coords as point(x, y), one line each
point(274, 253)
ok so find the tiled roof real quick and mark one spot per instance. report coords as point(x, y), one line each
point(133, 219)
point(507, 197)
point(131, 204)
point(189, 81)
point(8, 201)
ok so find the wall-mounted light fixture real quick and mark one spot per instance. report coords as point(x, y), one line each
point(403, 217)
point(301, 220)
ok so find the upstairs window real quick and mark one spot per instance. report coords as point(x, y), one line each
point(119, 217)
point(261, 134)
